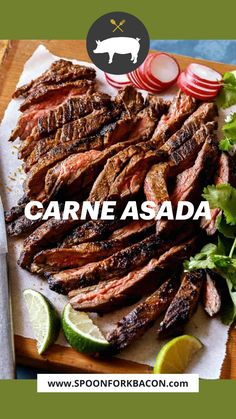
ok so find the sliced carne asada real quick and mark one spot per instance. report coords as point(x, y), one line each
point(51, 95)
point(129, 182)
point(22, 225)
point(190, 183)
point(155, 187)
point(48, 120)
point(47, 234)
point(59, 72)
point(35, 180)
point(92, 230)
point(130, 99)
point(183, 305)
point(211, 293)
point(226, 173)
point(71, 131)
point(109, 294)
point(72, 109)
point(113, 267)
point(206, 112)
point(80, 255)
point(181, 108)
point(142, 317)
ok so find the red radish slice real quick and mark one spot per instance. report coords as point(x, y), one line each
point(121, 79)
point(144, 84)
point(203, 84)
point(115, 85)
point(189, 90)
point(144, 76)
point(162, 68)
point(200, 89)
point(204, 73)
point(133, 80)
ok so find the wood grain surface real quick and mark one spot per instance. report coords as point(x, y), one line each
point(13, 55)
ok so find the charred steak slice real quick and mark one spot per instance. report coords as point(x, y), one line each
point(183, 305)
point(92, 230)
point(205, 113)
point(113, 267)
point(49, 119)
point(190, 183)
point(155, 186)
point(72, 109)
point(52, 94)
point(80, 255)
point(143, 316)
point(71, 131)
point(108, 295)
point(130, 99)
point(181, 107)
point(59, 72)
point(212, 293)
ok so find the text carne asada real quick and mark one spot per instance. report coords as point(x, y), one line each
point(105, 210)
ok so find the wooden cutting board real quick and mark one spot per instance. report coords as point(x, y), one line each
point(13, 55)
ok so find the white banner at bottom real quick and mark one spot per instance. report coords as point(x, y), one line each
point(118, 383)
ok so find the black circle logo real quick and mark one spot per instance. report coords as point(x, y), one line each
point(118, 43)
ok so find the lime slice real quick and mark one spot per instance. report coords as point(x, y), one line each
point(175, 356)
point(44, 319)
point(81, 333)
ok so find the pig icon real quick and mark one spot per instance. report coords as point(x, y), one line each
point(119, 45)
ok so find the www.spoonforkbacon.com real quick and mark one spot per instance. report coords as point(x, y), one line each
point(105, 210)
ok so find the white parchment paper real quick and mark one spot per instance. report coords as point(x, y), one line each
point(211, 332)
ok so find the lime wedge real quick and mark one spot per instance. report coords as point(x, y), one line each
point(43, 317)
point(81, 333)
point(175, 356)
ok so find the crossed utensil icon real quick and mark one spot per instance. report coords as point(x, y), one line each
point(117, 25)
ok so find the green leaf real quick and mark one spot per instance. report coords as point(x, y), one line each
point(229, 130)
point(222, 196)
point(227, 95)
point(226, 144)
point(202, 260)
point(227, 230)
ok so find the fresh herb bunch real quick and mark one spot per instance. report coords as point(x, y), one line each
point(227, 96)
point(221, 257)
point(229, 130)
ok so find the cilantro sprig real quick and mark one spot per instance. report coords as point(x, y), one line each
point(221, 257)
point(227, 95)
point(229, 130)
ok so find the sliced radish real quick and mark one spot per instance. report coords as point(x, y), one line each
point(193, 84)
point(191, 91)
point(204, 73)
point(133, 80)
point(144, 76)
point(203, 84)
point(121, 79)
point(146, 86)
point(162, 69)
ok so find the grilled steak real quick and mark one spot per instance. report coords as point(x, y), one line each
point(48, 120)
point(183, 305)
point(113, 267)
point(53, 94)
point(132, 100)
point(92, 230)
point(80, 255)
point(190, 183)
point(205, 113)
point(155, 187)
point(226, 173)
point(59, 72)
point(211, 294)
point(142, 317)
point(109, 294)
point(71, 131)
point(47, 234)
point(181, 107)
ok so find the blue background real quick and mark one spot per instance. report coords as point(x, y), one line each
point(214, 50)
